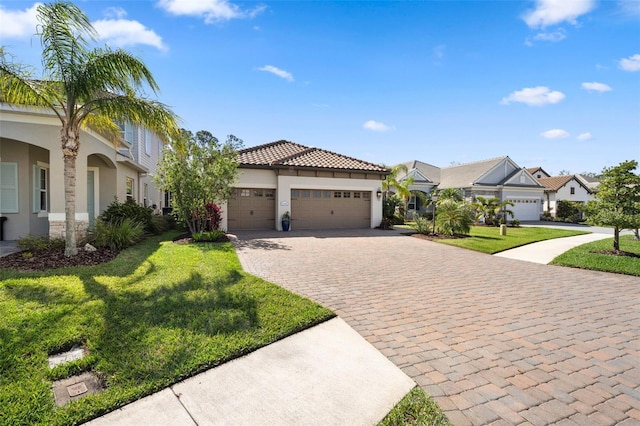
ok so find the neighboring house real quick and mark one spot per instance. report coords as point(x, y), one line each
point(426, 177)
point(591, 182)
point(499, 177)
point(538, 172)
point(320, 189)
point(566, 187)
point(32, 180)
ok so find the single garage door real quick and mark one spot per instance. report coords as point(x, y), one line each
point(252, 208)
point(525, 209)
point(330, 209)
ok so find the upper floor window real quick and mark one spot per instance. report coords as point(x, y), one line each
point(126, 131)
point(40, 188)
point(129, 189)
point(8, 187)
point(572, 190)
point(148, 137)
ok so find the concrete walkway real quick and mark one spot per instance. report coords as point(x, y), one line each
point(545, 251)
point(326, 375)
point(493, 340)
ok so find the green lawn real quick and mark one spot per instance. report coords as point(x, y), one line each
point(416, 408)
point(158, 313)
point(487, 239)
point(584, 256)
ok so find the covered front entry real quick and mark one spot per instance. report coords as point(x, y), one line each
point(252, 208)
point(330, 209)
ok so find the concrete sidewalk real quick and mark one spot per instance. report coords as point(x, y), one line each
point(545, 251)
point(326, 375)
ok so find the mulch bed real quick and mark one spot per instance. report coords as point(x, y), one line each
point(43, 260)
point(617, 253)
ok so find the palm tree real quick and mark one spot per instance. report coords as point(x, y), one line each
point(490, 207)
point(400, 187)
point(454, 217)
point(83, 87)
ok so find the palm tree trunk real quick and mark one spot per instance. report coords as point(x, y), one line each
point(70, 145)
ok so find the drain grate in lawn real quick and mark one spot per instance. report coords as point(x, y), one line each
point(76, 387)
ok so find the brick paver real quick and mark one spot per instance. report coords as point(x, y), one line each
point(493, 340)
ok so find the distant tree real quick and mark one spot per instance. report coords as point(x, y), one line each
point(591, 174)
point(564, 172)
point(617, 202)
point(82, 87)
point(198, 171)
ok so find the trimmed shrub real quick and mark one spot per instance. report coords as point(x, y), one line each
point(161, 224)
point(117, 212)
point(567, 211)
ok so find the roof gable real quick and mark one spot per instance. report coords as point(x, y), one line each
point(554, 183)
point(522, 177)
point(538, 170)
point(421, 172)
point(285, 154)
point(465, 175)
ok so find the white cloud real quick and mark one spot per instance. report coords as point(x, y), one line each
point(552, 37)
point(115, 12)
point(377, 126)
point(535, 96)
point(632, 63)
point(210, 10)
point(596, 87)
point(584, 136)
point(555, 134)
point(123, 32)
point(553, 12)
point(277, 71)
point(18, 23)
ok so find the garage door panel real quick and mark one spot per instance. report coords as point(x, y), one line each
point(330, 209)
point(251, 208)
point(525, 209)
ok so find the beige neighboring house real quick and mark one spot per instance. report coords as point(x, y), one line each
point(31, 173)
point(566, 187)
point(320, 189)
point(538, 172)
point(498, 177)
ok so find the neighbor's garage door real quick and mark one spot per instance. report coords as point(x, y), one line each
point(525, 209)
point(251, 208)
point(330, 209)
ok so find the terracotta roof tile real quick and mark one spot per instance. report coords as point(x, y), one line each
point(289, 154)
point(555, 182)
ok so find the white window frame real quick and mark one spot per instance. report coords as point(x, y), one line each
point(126, 131)
point(129, 195)
point(147, 142)
point(38, 190)
point(9, 191)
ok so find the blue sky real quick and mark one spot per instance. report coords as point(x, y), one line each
point(551, 83)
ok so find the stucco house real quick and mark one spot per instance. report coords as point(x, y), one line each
point(498, 177)
point(566, 187)
point(31, 172)
point(321, 189)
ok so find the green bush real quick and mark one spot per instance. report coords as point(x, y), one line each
point(38, 242)
point(422, 225)
point(118, 235)
point(161, 224)
point(515, 223)
point(567, 211)
point(116, 212)
point(386, 223)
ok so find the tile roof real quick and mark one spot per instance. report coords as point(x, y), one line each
point(555, 182)
point(284, 154)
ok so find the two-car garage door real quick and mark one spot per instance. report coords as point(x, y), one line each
point(254, 208)
point(525, 208)
point(330, 209)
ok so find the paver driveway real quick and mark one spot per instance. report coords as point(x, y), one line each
point(493, 340)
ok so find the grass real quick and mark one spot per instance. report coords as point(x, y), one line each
point(487, 239)
point(158, 313)
point(416, 408)
point(584, 257)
